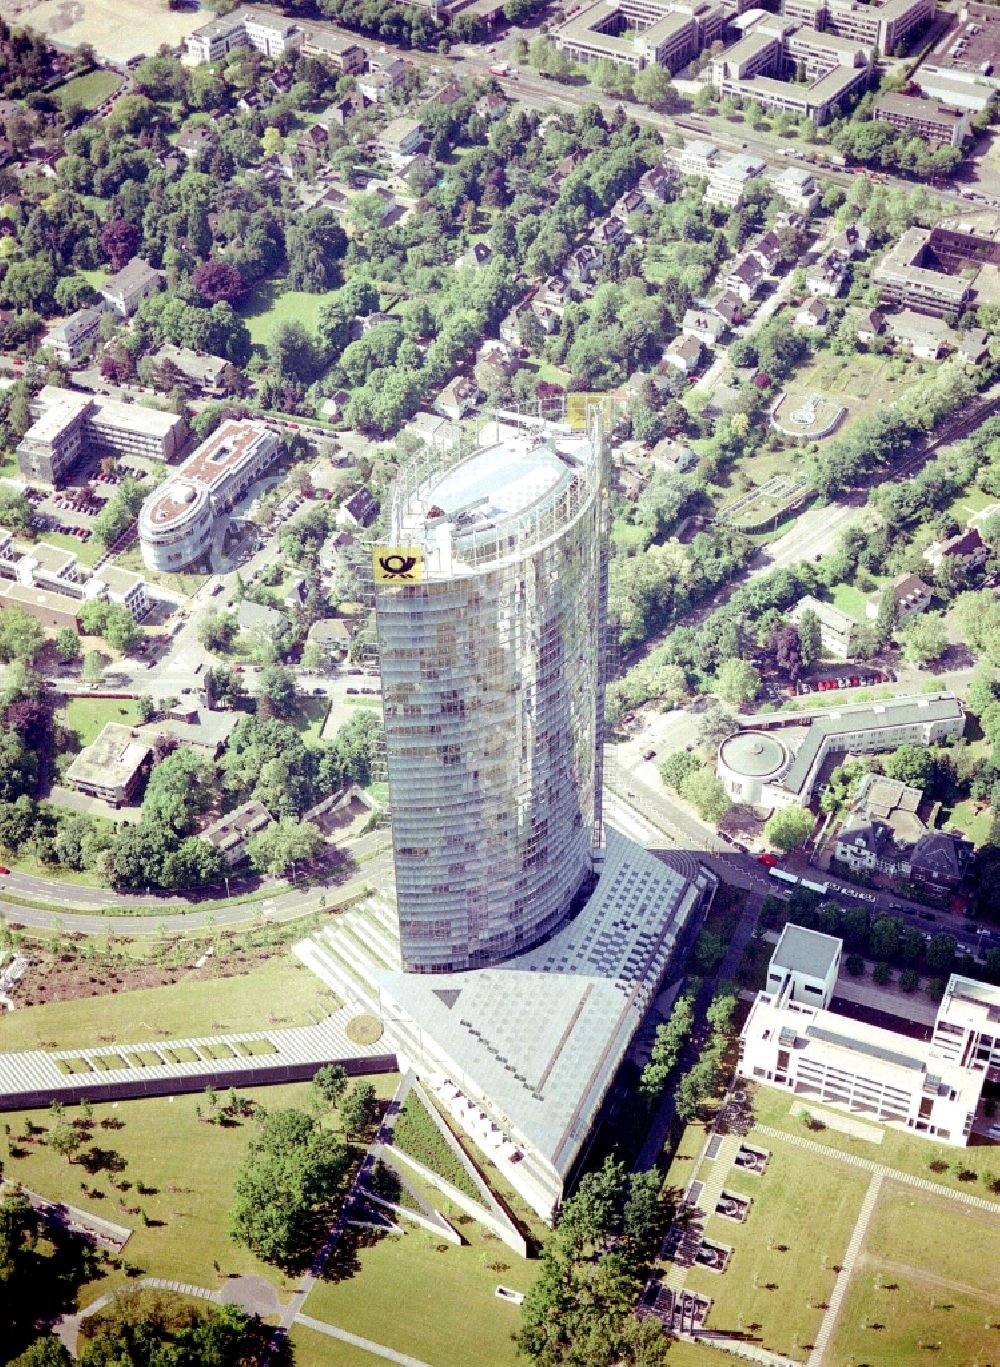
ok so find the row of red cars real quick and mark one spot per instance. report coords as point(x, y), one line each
point(871, 676)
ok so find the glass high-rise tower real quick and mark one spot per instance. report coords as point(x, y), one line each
point(490, 603)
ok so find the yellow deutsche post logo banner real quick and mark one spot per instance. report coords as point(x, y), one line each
point(398, 564)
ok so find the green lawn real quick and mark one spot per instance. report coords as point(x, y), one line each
point(186, 584)
point(308, 718)
point(421, 1296)
point(919, 1285)
point(88, 91)
point(850, 600)
point(313, 1349)
point(270, 304)
point(863, 383)
point(86, 717)
point(972, 823)
point(281, 992)
point(185, 1167)
point(969, 501)
point(897, 1149)
point(781, 1270)
point(87, 552)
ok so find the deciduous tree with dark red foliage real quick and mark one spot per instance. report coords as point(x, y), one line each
point(218, 281)
point(784, 644)
point(119, 242)
point(31, 719)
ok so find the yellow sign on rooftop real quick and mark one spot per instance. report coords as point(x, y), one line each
point(579, 404)
point(398, 564)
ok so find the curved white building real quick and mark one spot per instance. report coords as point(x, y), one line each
point(490, 637)
point(748, 762)
point(175, 522)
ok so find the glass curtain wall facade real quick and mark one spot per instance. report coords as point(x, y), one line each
point(492, 679)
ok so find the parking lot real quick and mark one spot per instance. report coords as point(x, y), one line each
point(71, 511)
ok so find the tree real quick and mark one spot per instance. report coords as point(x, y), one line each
point(44, 1352)
point(21, 636)
point(910, 764)
point(119, 242)
point(652, 86)
point(737, 682)
point(676, 767)
point(331, 1083)
point(924, 638)
point(284, 1193)
point(281, 846)
point(220, 281)
point(216, 630)
point(292, 353)
point(179, 789)
point(66, 1140)
point(706, 794)
point(810, 642)
point(276, 690)
point(941, 953)
point(670, 1039)
point(359, 1109)
point(67, 644)
point(789, 828)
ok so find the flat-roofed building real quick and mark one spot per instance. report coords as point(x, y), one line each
point(68, 424)
point(70, 340)
point(640, 33)
point(775, 761)
point(910, 276)
point(175, 522)
point(231, 834)
point(763, 64)
point(929, 120)
point(872, 1073)
point(205, 373)
point(967, 1029)
point(268, 33)
point(52, 609)
point(806, 964)
point(884, 26)
point(124, 587)
point(729, 180)
point(347, 56)
point(954, 90)
point(837, 629)
point(796, 187)
point(112, 767)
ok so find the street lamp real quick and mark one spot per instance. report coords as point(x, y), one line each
point(226, 877)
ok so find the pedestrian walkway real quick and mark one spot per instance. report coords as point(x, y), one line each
point(895, 1174)
point(377, 1349)
point(829, 1322)
point(716, 1180)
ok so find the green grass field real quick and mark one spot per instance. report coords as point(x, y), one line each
point(863, 383)
point(897, 1149)
point(313, 1349)
point(88, 91)
point(86, 717)
point(281, 992)
point(781, 1270)
point(968, 502)
point(436, 1302)
point(87, 552)
point(972, 823)
point(850, 600)
point(308, 718)
point(270, 305)
point(186, 1168)
point(921, 1286)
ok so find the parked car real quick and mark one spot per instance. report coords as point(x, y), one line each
point(650, 754)
point(769, 861)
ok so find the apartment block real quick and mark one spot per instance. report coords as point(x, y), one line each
point(837, 629)
point(931, 1088)
point(728, 180)
point(348, 57)
point(70, 340)
point(762, 65)
point(67, 425)
point(912, 275)
point(268, 33)
point(640, 33)
point(176, 521)
point(929, 120)
point(884, 27)
point(113, 766)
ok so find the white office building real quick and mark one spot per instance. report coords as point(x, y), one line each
point(796, 1043)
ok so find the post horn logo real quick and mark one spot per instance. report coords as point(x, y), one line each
point(398, 564)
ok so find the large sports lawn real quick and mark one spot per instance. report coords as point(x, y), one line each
point(924, 1284)
point(280, 993)
point(416, 1294)
point(781, 1272)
